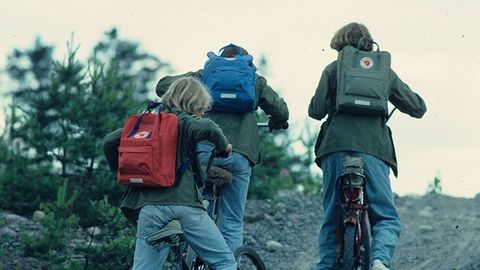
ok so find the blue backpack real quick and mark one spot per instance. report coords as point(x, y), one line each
point(231, 82)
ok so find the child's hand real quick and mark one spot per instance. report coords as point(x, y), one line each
point(229, 149)
point(224, 153)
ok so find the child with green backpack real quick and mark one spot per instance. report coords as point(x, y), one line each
point(353, 94)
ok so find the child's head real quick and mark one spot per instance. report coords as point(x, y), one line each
point(188, 94)
point(232, 50)
point(351, 34)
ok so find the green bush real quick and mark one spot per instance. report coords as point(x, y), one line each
point(111, 220)
point(281, 167)
point(3, 239)
point(435, 187)
point(22, 178)
point(57, 230)
point(115, 254)
point(117, 239)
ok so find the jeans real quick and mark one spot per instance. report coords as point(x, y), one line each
point(200, 233)
point(233, 195)
point(383, 217)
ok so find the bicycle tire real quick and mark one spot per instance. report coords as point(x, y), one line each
point(348, 257)
point(248, 259)
point(193, 262)
point(366, 250)
point(366, 244)
point(172, 263)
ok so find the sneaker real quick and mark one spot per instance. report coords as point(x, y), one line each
point(378, 265)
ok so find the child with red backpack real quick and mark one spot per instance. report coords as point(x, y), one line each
point(152, 208)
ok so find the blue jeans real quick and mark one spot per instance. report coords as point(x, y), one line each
point(233, 195)
point(383, 217)
point(200, 233)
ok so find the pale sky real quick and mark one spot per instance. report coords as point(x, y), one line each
point(433, 45)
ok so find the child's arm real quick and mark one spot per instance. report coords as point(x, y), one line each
point(272, 104)
point(205, 129)
point(111, 141)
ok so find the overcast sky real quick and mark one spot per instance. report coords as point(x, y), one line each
point(434, 46)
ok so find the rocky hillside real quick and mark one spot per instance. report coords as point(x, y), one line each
point(439, 232)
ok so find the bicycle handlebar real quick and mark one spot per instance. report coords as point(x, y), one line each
point(216, 153)
point(262, 125)
point(265, 125)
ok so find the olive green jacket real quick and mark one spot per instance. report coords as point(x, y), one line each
point(241, 129)
point(186, 191)
point(360, 133)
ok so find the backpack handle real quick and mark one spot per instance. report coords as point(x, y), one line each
point(231, 45)
point(151, 105)
point(365, 40)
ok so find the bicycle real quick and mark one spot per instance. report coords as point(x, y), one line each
point(353, 229)
point(182, 256)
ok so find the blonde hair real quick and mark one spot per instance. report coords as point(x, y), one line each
point(187, 94)
point(351, 34)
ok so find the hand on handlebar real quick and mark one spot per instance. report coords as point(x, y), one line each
point(273, 125)
point(224, 153)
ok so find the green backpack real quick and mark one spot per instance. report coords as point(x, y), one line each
point(363, 81)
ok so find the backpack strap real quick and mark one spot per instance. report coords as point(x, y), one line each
point(137, 125)
point(193, 161)
point(184, 166)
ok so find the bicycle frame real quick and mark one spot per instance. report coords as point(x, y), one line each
point(244, 254)
point(352, 209)
point(183, 255)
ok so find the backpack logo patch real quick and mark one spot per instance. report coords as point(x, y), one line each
point(141, 135)
point(366, 62)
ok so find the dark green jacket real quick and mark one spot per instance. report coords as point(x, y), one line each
point(241, 129)
point(192, 130)
point(349, 132)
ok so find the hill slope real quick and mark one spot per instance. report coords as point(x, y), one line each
point(438, 232)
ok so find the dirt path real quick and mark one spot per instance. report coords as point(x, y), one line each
point(439, 232)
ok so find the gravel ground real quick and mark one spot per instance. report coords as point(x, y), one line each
point(438, 232)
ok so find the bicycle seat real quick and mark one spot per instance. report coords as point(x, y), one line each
point(219, 176)
point(172, 228)
point(353, 166)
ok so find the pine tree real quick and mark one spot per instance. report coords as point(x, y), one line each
point(59, 114)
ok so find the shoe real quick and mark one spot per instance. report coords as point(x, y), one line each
point(378, 265)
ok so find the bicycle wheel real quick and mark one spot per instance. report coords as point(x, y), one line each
point(247, 259)
point(176, 264)
point(348, 258)
point(365, 257)
point(364, 260)
point(193, 262)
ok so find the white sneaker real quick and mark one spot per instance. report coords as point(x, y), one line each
point(378, 265)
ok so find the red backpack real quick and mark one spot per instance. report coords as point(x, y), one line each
point(148, 149)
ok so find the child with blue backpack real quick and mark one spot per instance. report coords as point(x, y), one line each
point(237, 90)
point(152, 208)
